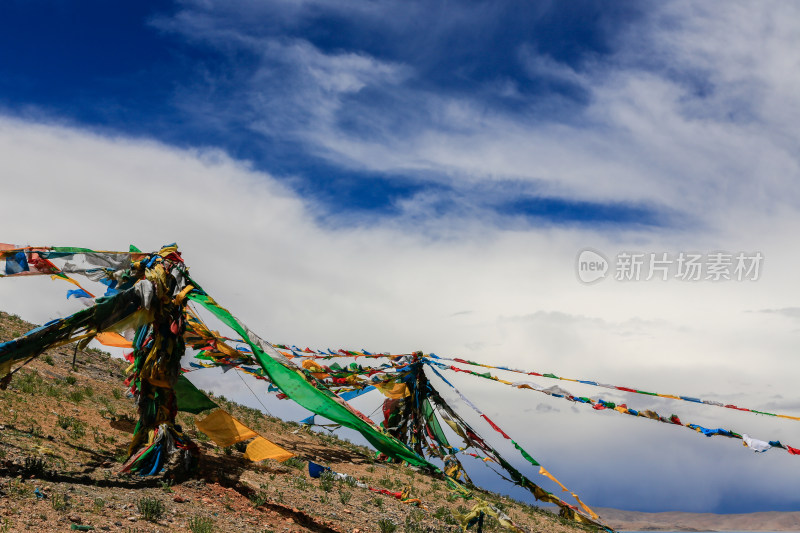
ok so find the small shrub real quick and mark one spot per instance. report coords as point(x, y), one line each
point(377, 502)
point(59, 502)
point(386, 525)
point(78, 429)
point(34, 466)
point(294, 462)
point(108, 412)
point(327, 480)
point(116, 394)
point(75, 396)
point(99, 504)
point(413, 522)
point(201, 524)
point(70, 380)
point(29, 383)
point(344, 496)
point(151, 509)
point(444, 514)
point(64, 422)
point(259, 498)
point(301, 483)
point(17, 487)
point(49, 360)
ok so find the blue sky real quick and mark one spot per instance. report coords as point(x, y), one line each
point(189, 74)
point(396, 175)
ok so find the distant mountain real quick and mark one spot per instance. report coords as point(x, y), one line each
point(677, 521)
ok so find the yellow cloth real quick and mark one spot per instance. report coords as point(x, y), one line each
point(261, 449)
point(652, 415)
point(312, 366)
point(223, 429)
point(488, 509)
point(109, 338)
point(585, 507)
point(394, 391)
point(545, 473)
point(66, 278)
point(5, 368)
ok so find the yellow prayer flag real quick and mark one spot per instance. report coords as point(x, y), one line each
point(109, 338)
point(261, 449)
point(585, 507)
point(223, 429)
point(547, 474)
point(394, 391)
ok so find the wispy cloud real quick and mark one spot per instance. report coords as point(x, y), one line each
point(669, 114)
point(790, 312)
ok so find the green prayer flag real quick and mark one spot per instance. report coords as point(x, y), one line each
point(525, 454)
point(296, 385)
point(191, 399)
point(433, 423)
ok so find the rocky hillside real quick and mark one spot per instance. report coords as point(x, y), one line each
point(64, 433)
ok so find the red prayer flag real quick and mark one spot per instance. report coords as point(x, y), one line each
point(494, 426)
